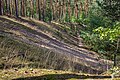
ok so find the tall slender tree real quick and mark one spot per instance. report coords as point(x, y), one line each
point(56, 9)
point(53, 10)
point(32, 8)
point(64, 9)
point(39, 9)
point(69, 9)
point(51, 3)
point(76, 9)
point(86, 6)
point(81, 7)
point(6, 6)
point(16, 9)
point(23, 8)
point(0, 7)
point(44, 9)
point(9, 4)
point(60, 10)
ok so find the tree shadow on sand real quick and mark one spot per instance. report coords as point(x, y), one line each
point(62, 77)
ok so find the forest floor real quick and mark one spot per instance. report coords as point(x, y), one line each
point(45, 74)
point(49, 36)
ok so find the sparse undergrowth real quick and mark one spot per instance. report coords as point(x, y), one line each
point(45, 74)
point(20, 37)
point(34, 56)
point(30, 72)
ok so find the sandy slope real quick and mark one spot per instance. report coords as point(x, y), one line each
point(28, 32)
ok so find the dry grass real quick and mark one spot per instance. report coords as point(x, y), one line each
point(35, 56)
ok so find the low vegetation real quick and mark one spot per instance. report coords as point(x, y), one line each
point(38, 39)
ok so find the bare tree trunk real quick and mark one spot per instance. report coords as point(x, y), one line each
point(16, 9)
point(51, 3)
point(39, 10)
point(64, 9)
point(81, 7)
point(86, 6)
point(32, 8)
point(69, 10)
point(6, 3)
point(23, 8)
point(12, 7)
point(44, 9)
point(9, 8)
point(57, 9)
point(53, 10)
point(76, 9)
point(0, 7)
point(60, 11)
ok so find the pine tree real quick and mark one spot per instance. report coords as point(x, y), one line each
point(64, 9)
point(86, 6)
point(44, 9)
point(51, 7)
point(81, 7)
point(39, 9)
point(76, 9)
point(6, 5)
point(69, 9)
point(31, 7)
point(23, 8)
point(16, 9)
point(9, 8)
point(0, 7)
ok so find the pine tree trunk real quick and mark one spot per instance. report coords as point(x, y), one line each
point(53, 10)
point(57, 9)
point(86, 6)
point(12, 7)
point(81, 7)
point(0, 7)
point(9, 10)
point(32, 8)
point(25, 9)
point(69, 10)
point(64, 9)
point(6, 7)
point(21, 8)
point(60, 11)
point(51, 3)
point(44, 9)
point(39, 10)
point(16, 9)
point(76, 9)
